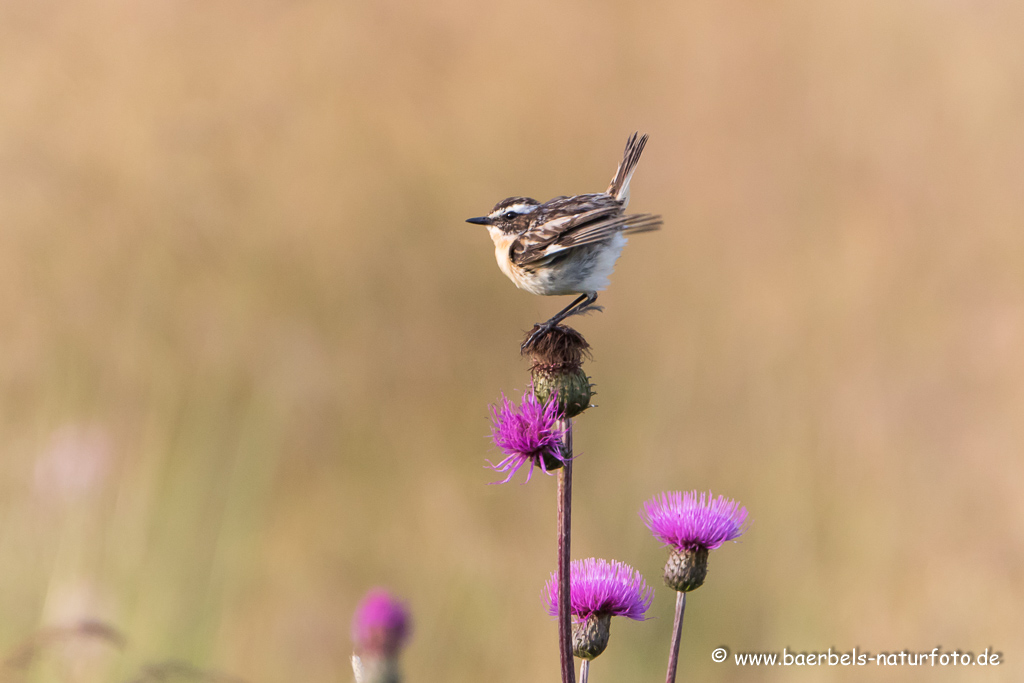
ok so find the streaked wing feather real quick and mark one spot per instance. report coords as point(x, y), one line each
point(537, 251)
point(532, 244)
point(602, 230)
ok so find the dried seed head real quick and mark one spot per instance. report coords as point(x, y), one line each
point(557, 369)
point(561, 345)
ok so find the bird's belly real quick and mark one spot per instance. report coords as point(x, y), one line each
point(604, 259)
point(583, 269)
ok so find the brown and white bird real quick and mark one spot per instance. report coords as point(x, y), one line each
point(567, 245)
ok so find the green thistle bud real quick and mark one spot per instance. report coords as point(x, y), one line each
point(590, 635)
point(572, 389)
point(557, 369)
point(686, 569)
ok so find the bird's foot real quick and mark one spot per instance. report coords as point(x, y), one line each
point(539, 330)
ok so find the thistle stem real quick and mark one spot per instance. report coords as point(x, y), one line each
point(584, 670)
point(564, 524)
point(677, 634)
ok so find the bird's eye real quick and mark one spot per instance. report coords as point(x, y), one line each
point(509, 215)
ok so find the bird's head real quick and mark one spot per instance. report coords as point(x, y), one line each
point(509, 216)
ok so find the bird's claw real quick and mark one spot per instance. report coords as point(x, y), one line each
point(539, 331)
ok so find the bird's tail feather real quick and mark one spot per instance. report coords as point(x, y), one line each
point(619, 187)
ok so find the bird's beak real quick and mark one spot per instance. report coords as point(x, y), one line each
point(482, 220)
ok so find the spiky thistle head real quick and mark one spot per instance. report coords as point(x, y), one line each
point(599, 590)
point(691, 526)
point(530, 433)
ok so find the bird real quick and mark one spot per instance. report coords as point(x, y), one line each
point(567, 245)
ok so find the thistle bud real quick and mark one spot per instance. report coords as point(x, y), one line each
point(590, 635)
point(380, 628)
point(557, 369)
point(686, 569)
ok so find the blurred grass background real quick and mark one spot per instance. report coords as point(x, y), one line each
point(247, 342)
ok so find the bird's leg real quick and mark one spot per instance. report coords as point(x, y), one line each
point(587, 306)
point(584, 303)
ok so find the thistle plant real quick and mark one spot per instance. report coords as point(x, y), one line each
point(539, 432)
point(380, 628)
point(585, 595)
point(556, 355)
point(599, 590)
point(690, 527)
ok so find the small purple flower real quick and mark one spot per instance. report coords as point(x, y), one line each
point(529, 434)
point(380, 625)
point(685, 522)
point(602, 588)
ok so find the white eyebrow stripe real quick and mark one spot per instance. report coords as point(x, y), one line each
point(515, 208)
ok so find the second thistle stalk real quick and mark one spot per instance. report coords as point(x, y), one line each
point(564, 537)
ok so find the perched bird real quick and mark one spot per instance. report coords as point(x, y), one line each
point(567, 245)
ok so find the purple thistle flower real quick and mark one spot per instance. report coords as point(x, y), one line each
point(380, 625)
point(685, 522)
point(529, 434)
point(599, 587)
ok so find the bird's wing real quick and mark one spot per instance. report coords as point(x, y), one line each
point(534, 244)
point(532, 248)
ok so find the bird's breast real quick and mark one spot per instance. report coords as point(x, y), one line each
point(502, 242)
